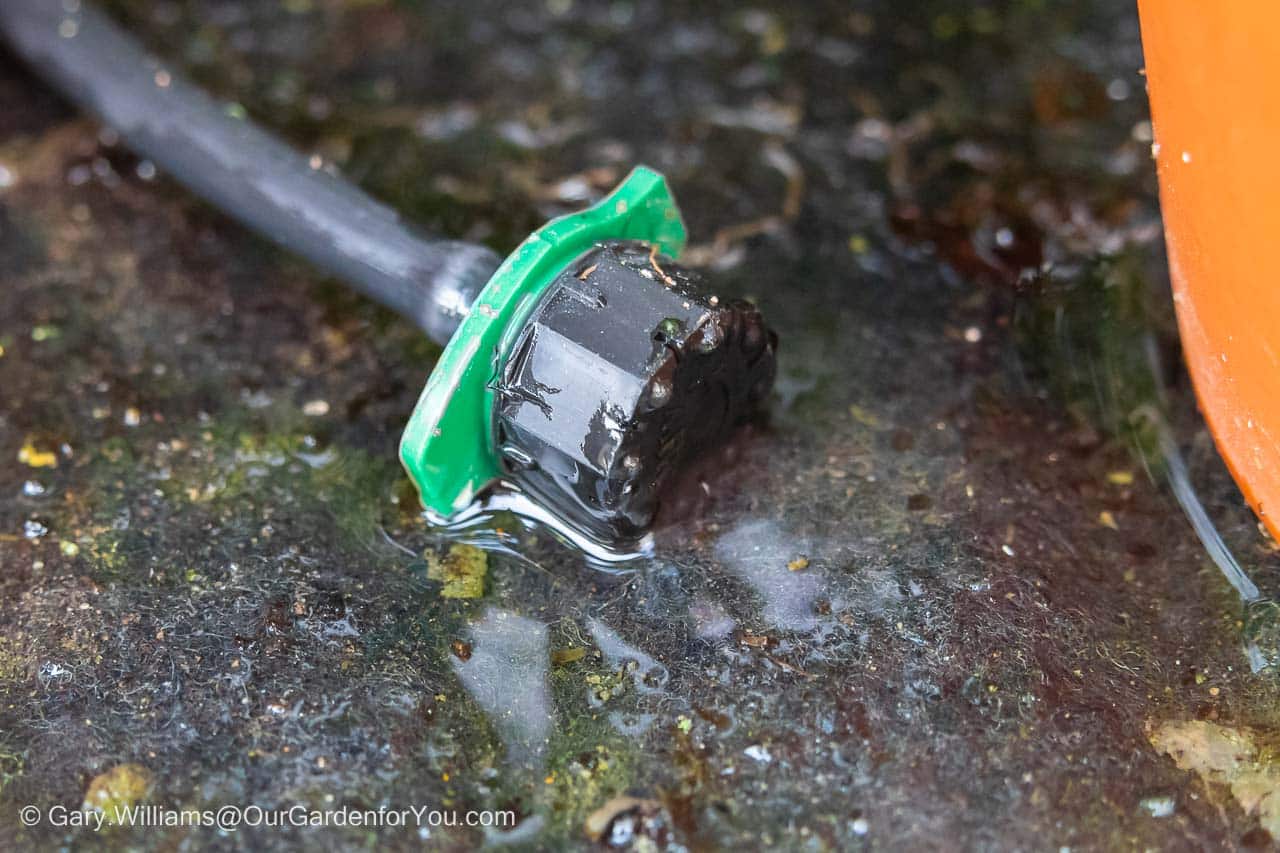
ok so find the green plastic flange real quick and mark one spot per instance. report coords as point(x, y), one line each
point(449, 446)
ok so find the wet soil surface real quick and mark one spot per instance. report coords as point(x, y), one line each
point(941, 599)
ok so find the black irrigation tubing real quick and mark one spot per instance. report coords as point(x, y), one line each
point(248, 173)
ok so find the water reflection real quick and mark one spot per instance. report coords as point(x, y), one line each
point(507, 677)
point(763, 555)
point(648, 675)
point(480, 525)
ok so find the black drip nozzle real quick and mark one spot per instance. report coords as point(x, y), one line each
point(626, 372)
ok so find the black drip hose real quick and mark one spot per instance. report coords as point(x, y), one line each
point(245, 171)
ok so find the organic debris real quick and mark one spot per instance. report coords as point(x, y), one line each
point(28, 454)
point(618, 821)
point(1226, 756)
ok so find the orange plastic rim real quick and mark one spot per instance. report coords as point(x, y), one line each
point(1213, 74)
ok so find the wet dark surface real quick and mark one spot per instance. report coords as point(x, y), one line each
point(938, 601)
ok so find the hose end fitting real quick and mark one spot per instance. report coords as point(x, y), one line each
point(589, 371)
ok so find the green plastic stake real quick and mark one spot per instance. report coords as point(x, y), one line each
point(449, 445)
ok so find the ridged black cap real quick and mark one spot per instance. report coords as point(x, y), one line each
point(628, 369)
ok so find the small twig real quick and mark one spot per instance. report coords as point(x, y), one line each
point(653, 262)
point(788, 667)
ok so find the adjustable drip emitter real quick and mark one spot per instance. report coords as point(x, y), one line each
point(588, 370)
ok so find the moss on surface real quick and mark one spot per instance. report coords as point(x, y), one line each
point(460, 571)
point(116, 792)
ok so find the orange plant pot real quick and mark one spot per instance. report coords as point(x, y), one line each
point(1213, 75)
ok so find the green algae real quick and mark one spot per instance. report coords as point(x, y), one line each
point(461, 571)
point(588, 761)
point(12, 765)
point(1092, 337)
point(13, 663)
point(116, 791)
